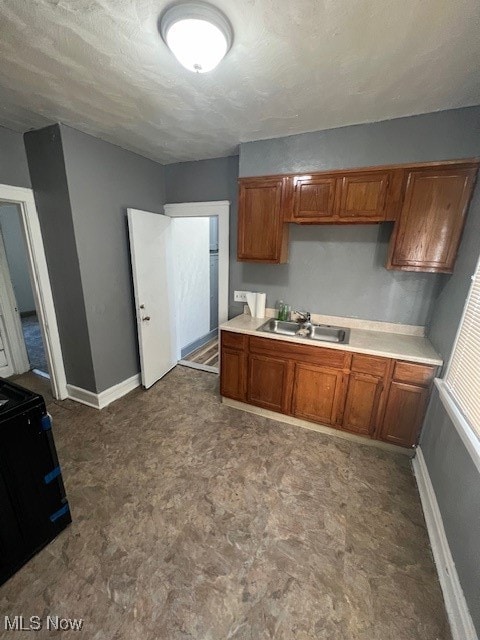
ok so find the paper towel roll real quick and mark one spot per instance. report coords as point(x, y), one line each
point(260, 306)
point(252, 302)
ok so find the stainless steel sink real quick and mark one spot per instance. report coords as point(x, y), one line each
point(327, 333)
point(280, 326)
point(320, 332)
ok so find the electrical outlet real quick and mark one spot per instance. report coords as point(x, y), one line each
point(240, 296)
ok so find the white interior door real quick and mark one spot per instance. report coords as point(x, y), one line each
point(13, 353)
point(150, 247)
point(6, 363)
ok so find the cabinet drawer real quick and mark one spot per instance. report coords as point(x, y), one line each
point(372, 365)
point(332, 358)
point(234, 340)
point(412, 373)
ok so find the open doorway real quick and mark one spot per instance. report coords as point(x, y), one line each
point(200, 267)
point(195, 271)
point(16, 292)
point(24, 240)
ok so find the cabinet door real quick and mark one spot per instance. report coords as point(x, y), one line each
point(267, 382)
point(233, 373)
point(428, 231)
point(363, 197)
point(313, 198)
point(317, 394)
point(406, 405)
point(262, 234)
point(363, 400)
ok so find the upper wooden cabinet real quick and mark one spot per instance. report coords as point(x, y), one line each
point(428, 203)
point(430, 224)
point(262, 234)
point(363, 197)
point(313, 199)
point(337, 198)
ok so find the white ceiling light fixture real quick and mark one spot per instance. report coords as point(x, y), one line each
point(198, 34)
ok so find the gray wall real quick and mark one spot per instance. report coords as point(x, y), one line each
point(433, 136)
point(16, 251)
point(13, 159)
point(206, 180)
point(49, 181)
point(449, 304)
point(456, 482)
point(339, 270)
point(455, 478)
point(103, 180)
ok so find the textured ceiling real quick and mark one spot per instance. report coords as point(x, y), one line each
point(295, 66)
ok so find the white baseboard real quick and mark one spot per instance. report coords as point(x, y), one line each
point(457, 609)
point(82, 395)
point(104, 398)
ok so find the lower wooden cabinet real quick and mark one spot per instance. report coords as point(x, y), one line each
point(267, 377)
point(406, 406)
point(368, 395)
point(233, 379)
point(362, 405)
point(317, 393)
point(233, 365)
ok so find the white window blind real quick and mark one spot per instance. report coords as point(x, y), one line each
point(463, 375)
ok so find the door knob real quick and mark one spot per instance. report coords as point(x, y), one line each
point(146, 318)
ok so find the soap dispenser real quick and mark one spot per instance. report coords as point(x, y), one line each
point(280, 304)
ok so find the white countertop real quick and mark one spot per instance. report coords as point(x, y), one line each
point(388, 344)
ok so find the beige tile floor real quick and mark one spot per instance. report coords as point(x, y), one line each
point(193, 520)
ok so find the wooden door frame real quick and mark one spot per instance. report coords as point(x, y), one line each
point(14, 339)
point(220, 208)
point(40, 280)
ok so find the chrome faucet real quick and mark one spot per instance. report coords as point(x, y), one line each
point(303, 317)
